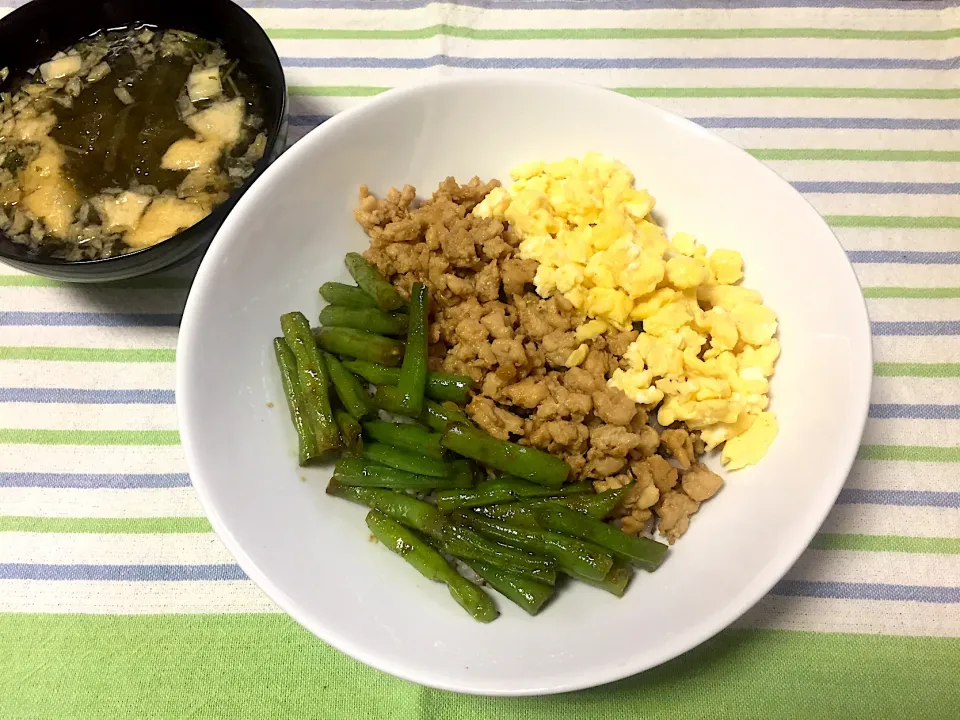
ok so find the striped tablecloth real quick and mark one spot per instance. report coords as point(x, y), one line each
point(117, 601)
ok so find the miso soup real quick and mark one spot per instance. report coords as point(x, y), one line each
point(124, 140)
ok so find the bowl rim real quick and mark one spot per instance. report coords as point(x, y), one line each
point(218, 214)
point(709, 627)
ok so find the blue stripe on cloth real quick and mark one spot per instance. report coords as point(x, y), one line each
point(167, 397)
point(902, 498)
point(905, 257)
point(135, 481)
point(651, 63)
point(915, 328)
point(87, 397)
point(75, 319)
point(188, 573)
point(81, 481)
point(829, 123)
point(889, 411)
point(877, 188)
point(867, 591)
point(125, 573)
point(599, 4)
point(936, 327)
point(308, 120)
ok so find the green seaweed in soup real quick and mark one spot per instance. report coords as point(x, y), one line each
point(122, 141)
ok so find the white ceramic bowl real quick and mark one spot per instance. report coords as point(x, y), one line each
point(312, 554)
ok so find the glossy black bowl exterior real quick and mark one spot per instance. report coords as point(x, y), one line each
point(31, 34)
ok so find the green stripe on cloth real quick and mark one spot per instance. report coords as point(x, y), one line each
point(146, 283)
point(927, 370)
point(921, 293)
point(180, 525)
point(910, 453)
point(693, 92)
point(107, 526)
point(894, 221)
point(68, 354)
point(17, 436)
point(425, 33)
point(233, 666)
point(855, 155)
point(886, 543)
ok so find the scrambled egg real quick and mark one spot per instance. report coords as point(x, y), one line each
point(707, 347)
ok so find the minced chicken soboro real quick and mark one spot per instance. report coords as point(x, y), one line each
point(122, 141)
point(489, 323)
